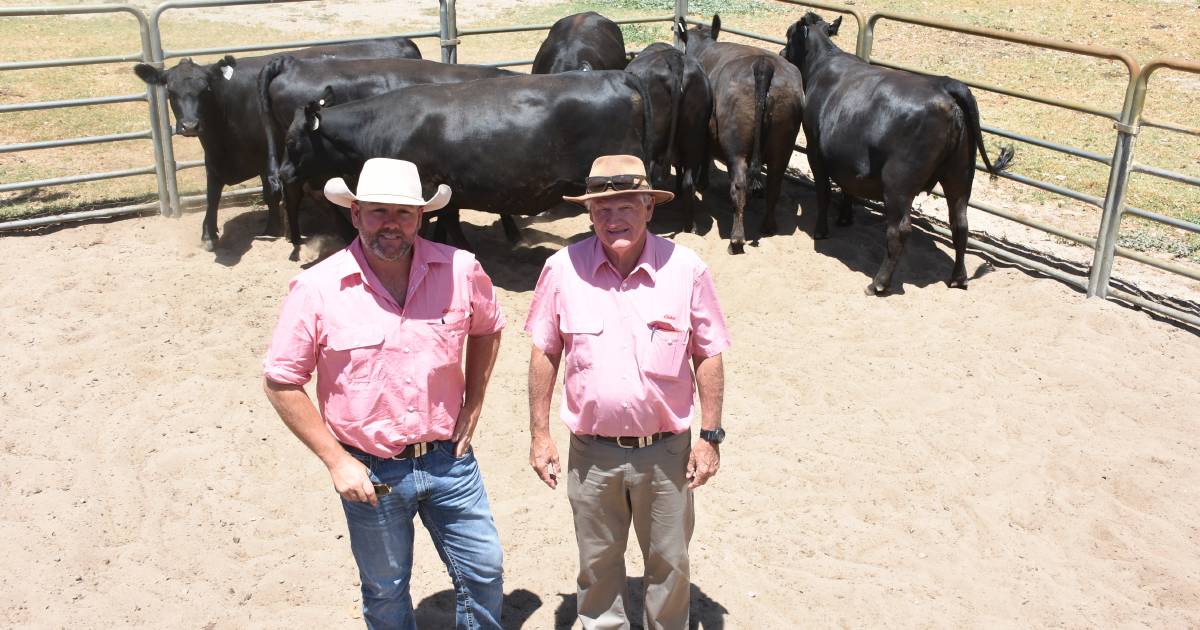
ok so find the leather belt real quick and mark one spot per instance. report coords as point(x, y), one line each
point(633, 441)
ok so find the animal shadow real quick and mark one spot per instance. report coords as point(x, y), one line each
point(705, 613)
point(437, 610)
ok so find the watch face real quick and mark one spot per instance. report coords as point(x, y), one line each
point(716, 436)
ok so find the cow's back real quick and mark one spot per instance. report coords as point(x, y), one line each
point(513, 144)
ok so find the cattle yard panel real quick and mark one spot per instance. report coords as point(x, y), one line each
point(153, 134)
point(1120, 164)
point(545, 27)
point(1125, 122)
point(160, 56)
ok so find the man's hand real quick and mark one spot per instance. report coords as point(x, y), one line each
point(464, 428)
point(543, 456)
point(702, 463)
point(352, 480)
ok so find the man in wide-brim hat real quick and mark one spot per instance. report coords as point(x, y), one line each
point(384, 323)
point(632, 313)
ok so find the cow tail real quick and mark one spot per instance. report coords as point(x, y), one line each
point(647, 119)
point(962, 95)
point(764, 71)
point(676, 69)
point(273, 69)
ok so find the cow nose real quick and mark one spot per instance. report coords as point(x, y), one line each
point(189, 127)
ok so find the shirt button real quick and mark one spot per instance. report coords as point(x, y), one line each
point(407, 379)
point(626, 406)
point(406, 351)
point(411, 409)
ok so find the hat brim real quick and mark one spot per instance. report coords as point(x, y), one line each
point(339, 193)
point(660, 196)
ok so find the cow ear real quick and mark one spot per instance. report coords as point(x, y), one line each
point(681, 30)
point(585, 66)
point(229, 61)
point(327, 97)
point(312, 116)
point(716, 26)
point(832, 29)
point(149, 74)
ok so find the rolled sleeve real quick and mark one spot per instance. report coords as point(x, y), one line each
point(292, 355)
point(710, 336)
point(486, 316)
point(542, 323)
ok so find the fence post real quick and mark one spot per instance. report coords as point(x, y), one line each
point(1118, 183)
point(159, 103)
point(156, 131)
point(681, 11)
point(449, 31)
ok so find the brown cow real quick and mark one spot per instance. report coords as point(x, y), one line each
point(758, 107)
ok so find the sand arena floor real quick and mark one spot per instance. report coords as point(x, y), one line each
point(1012, 455)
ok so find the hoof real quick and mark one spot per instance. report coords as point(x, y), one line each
point(295, 255)
point(737, 248)
point(821, 235)
point(875, 289)
point(958, 283)
point(208, 244)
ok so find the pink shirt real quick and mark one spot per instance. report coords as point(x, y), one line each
point(628, 341)
point(386, 376)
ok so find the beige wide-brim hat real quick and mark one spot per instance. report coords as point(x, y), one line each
point(384, 180)
point(611, 165)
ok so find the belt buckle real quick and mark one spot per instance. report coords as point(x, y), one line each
point(642, 441)
point(419, 450)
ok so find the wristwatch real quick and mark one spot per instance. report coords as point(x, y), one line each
point(716, 436)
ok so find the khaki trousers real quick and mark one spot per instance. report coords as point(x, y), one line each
point(609, 487)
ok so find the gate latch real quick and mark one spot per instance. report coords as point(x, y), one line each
point(1127, 129)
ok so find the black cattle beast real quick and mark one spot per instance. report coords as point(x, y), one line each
point(286, 84)
point(512, 145)
point(886, 135)
point(584, 41)
point(758, 102)
point(218, 104)
point(682, 103)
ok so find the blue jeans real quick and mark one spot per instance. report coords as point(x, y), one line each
point(448, 493)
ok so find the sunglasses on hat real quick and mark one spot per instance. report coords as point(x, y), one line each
point(615, 182)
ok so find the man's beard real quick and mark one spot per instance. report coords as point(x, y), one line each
point(377, 248)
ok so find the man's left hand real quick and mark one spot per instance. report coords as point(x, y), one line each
point(702, 463)
point(464, 428)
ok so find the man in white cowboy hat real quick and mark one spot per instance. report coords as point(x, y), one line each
point(629, 310)
point(384, 323)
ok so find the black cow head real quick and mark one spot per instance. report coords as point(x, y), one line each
point(808, 30)
point(189, 88)
point(697, 39)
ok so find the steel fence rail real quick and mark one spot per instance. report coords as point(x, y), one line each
point(197, 52)
point(75, 102)
point(75, 142)
point(155, 134)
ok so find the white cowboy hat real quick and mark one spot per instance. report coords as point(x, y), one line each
point(384, 180)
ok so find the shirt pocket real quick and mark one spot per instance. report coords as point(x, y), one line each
point(664, 355)
point(581, 329)
point(447, 335)
point(353, 353)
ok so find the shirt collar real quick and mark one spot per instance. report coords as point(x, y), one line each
point(354, 258)
point(648, 261)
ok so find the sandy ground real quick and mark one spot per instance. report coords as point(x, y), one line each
point(1009, 456)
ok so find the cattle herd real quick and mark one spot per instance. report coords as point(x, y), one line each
point(512, 143)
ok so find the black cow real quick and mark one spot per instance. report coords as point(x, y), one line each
point(682, 104)
point(218, 104)
point(584, 41)
point(887, 135)
point(758, 105)
point(286, 84)
point(512, 145)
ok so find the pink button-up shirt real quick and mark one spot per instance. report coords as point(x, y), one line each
point(628, 341)
point(386, 376)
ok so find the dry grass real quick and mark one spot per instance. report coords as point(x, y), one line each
point(1144, 29)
